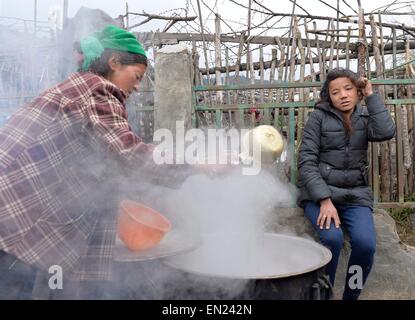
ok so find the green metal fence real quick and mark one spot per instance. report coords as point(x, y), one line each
point(394, 105)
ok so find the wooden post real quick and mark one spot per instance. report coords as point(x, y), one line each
point(218, 59)
point(362, 47)
point(338, 33)
point(228, 93)
point(271, 80)
point(252, 78)
point(361, 58)
point(300, 113)
point(277, 123)
point(310, 60)
point(399, 153)
point(291, 111)
point(349, 31)
point(227, 82)
point(240, 117)
point(320, 59)
point(196, 79)
point(407, 128)
point(332, 40)
point(324, 50)
point(382, 45)
point(195, 56)
point(394, 168)
point(265, 112)
point(384, 146)
point(202, 32)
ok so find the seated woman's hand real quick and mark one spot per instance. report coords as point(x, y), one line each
point(365, 86)
point(327, 213)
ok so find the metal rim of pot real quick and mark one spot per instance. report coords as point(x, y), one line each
point(325, 260)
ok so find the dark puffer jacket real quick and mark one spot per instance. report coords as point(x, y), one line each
point(334, 164)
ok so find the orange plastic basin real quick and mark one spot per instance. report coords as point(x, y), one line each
point(139, 226)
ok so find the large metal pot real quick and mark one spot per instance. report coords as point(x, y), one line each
point(269, 266)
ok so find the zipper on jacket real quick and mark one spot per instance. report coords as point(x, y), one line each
point(346, 156)
point(346, 159)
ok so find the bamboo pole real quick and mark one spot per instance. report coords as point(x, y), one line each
point(362, 46)
point(382, 54)
point(218, 59)
point(267, 64)
point(332, 40)
point(291, 112)
point(399, 154)
point(407, 128)
point(278, 119)
point(252, 79)
point(248, 64)
point(384, 146)
point(228, 93)
point(292, 59)
point(394, 62)
point(381, 40)
point(320, 60)
point(198, 81)
point(266, 112)
point(338, 38)
point(300, 114)
point(240, 116)
point(271, 80)
point(348, 48)
point(362, 50)
point(227, 82)
point(310, 62)
point(342, 45)
point(324, 50)
point(202, 32)
point(196, 77)
point(393, 158)
point(196, 70)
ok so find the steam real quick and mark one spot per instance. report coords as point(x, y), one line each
point(231, 209)
point(227, 215)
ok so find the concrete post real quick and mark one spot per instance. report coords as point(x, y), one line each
point(173, 88)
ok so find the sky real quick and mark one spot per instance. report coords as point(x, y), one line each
point(24, 9)
point(233, 14)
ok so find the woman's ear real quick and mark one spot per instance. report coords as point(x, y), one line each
point(360, 94)
point(114, 62)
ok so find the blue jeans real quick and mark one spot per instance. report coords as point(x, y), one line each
point(16, 278)
point(358, 223)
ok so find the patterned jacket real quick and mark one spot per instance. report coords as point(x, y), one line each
point(52, 155)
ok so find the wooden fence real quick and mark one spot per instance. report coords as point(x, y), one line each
point(280, 90)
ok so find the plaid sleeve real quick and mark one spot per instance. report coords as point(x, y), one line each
point(108, 127)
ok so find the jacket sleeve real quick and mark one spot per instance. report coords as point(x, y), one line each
point(309, 159)
point(380, 124)
point(108, 129)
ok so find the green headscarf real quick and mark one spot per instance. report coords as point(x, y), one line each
point(111, 37)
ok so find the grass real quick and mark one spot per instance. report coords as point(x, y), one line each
point(404, 226)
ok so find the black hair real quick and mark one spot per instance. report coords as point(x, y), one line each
point(101, 67)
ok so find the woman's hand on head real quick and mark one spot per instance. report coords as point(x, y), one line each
point(327, 213)
point(365, 86)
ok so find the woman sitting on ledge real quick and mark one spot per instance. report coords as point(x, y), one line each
point(333, 173)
